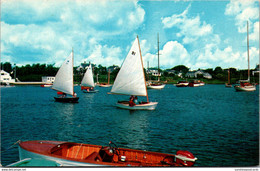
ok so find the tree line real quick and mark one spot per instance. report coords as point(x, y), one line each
point(35, 72)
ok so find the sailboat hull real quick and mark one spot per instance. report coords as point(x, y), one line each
point(245, 88)
point(161, 86)
point(104, 85)
point(90, 91)
point(67, 99)
point(143, 106)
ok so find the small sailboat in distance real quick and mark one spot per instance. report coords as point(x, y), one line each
point(87, 83)
point(157, 85)
point(245, 85)
point(130, 80)
point(108, 80)
point(64, 82)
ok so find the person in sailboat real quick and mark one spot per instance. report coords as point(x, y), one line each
point(75, 95)
point(64, 95)
point(131, 101)
point(136, 100)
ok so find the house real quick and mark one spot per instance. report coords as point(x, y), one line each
point(154, 72)
point(48, 79)
point(194, 74)
point(5, 77)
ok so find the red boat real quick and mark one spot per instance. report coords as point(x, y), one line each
point(78, 154)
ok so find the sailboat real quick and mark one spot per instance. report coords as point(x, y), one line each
point(130, 80)
point(228, 84)
point(157, 85)
point(106, 84)
point(64, 82)
point(87, 83)
point(245, 85)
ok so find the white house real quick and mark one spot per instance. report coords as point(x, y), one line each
point(194, 74)
point(154, 72)
point(48, 79)
point(5, 77)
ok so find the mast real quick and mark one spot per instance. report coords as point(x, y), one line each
point(158, 58)
point(72, 71)
point(143, 69)
point(108, 79)
point(228, 76)
point(248, 77)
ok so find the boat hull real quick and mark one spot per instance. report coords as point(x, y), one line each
point(161, 86)
point(104, 85)
point(23, 154)
point(90, 91)
point(67, 99)
point(145, 106)
point(245, 88)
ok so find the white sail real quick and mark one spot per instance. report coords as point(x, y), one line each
point(88, 78)
point(64, 78)
point(130, 79)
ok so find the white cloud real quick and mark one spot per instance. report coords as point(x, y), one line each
point(172, 54)
point(190, 28)
point(255, 35)
point(51, 28)
point(243, 11)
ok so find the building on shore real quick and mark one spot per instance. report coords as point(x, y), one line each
point(48, 79)
point(6, 78)
point(194, 74)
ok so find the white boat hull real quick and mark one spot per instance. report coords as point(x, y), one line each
point(23, 154)
point(90, 91)
point(147, 106)
point(156, 86)
point(245, 88)
point(108, 85)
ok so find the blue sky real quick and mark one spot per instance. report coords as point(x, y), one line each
point(199, 34)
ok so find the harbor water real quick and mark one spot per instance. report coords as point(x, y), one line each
point(218, 125)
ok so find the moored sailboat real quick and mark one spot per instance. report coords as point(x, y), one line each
point(157, 85)
point(79, 154)
point(130, 80)
point(87, 83)
point(108, 80)
point(64, 83)
point(245, 85)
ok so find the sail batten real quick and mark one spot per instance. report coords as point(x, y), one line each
point(64, 77)
point(130, 78)
point(88, 80)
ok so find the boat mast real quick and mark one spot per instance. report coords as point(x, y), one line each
point(248, 54)
point(228, 76)
point(108, 79)
point(158, 58)
point(72, 71)
point(143, 69)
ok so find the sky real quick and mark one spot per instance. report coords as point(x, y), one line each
point(198, 34)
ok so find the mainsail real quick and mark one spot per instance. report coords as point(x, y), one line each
point(88, 80)
point(64, 78)
point(130, 79)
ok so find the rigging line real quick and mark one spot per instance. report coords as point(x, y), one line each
point(10, 146)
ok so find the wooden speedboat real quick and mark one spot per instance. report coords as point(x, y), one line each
point(78, 154)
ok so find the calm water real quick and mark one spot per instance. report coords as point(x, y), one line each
point(218, 125)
